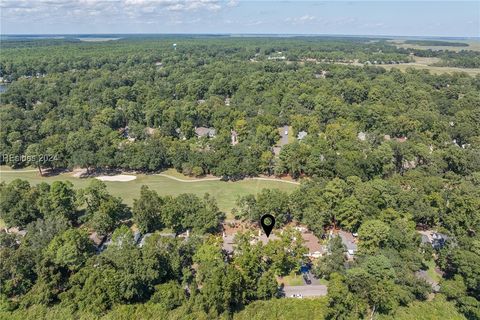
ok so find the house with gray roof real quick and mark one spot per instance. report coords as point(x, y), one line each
point(205, 132)
point(349, 241)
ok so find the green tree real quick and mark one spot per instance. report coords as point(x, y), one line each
point(372, 236)
point(147, 211)
point(70, 250)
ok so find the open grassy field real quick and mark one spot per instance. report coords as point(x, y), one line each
point(472, 45)
point(423, 64)
point(226, 193)
point(432, 69)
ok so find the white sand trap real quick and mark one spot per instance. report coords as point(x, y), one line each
point(119, 177)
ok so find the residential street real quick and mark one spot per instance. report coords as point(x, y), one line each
point(306, 290)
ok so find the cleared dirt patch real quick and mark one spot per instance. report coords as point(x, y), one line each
point(119, 177)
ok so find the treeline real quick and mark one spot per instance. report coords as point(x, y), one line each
point(437, 43)
point(79, 118)
point(56, 264)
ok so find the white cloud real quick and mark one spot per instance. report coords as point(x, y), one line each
point(301, 20)
point(177, 5)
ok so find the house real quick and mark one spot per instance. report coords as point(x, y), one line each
point(301, 135)
point(185, 234)
point(205, 132)
point(321, 75)
point(97, 239)
point(277, 56)
point(150, 131)
point(439, 240)
point(409, 164)
point(435, 239)
point(229, 240)
point(17, 231)
point(312, 243)
point(263, 238)
point(349, 241)
point(362, 136)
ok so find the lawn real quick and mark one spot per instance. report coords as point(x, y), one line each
point(226, 193)
point(292, 279)
point(432, 274)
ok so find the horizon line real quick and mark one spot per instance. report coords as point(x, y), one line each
point(244, 34)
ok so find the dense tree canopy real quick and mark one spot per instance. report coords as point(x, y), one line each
point(379, 153)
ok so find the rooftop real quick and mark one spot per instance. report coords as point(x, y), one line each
point(205, 132)
point(348, 240)
point(301, 135)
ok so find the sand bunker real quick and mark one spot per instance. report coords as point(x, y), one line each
point(119, 177)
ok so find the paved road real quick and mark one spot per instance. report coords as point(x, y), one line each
point(306, 290)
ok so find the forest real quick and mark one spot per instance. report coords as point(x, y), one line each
point(380, 153)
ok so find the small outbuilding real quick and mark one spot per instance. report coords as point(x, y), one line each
point(301, 135)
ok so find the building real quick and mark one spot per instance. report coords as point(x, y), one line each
point(349, 241)
point(312, 243)
point(205, 132)
point(435, 239)
point(301, 135)
point(277, 57)
point(229, 240)
point(97, 239)
point(362, 136)
point(17, 231)
point(401, 139)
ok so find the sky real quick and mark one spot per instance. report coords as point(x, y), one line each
point(387, 17)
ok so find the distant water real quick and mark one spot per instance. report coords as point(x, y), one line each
point(3, 88)
point(97, 39)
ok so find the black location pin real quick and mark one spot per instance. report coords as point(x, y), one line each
point(267, 221)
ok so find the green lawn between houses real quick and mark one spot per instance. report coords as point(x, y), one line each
point(226, 193)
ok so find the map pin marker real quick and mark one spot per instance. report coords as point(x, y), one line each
point(267, 221)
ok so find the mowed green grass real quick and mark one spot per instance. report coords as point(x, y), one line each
point(226, 193)
point(473, 45)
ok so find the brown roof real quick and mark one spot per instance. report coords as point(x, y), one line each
point(312, 243)
point(96, 238)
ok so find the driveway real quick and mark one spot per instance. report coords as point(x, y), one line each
point(312, 290)
point(284, 137)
